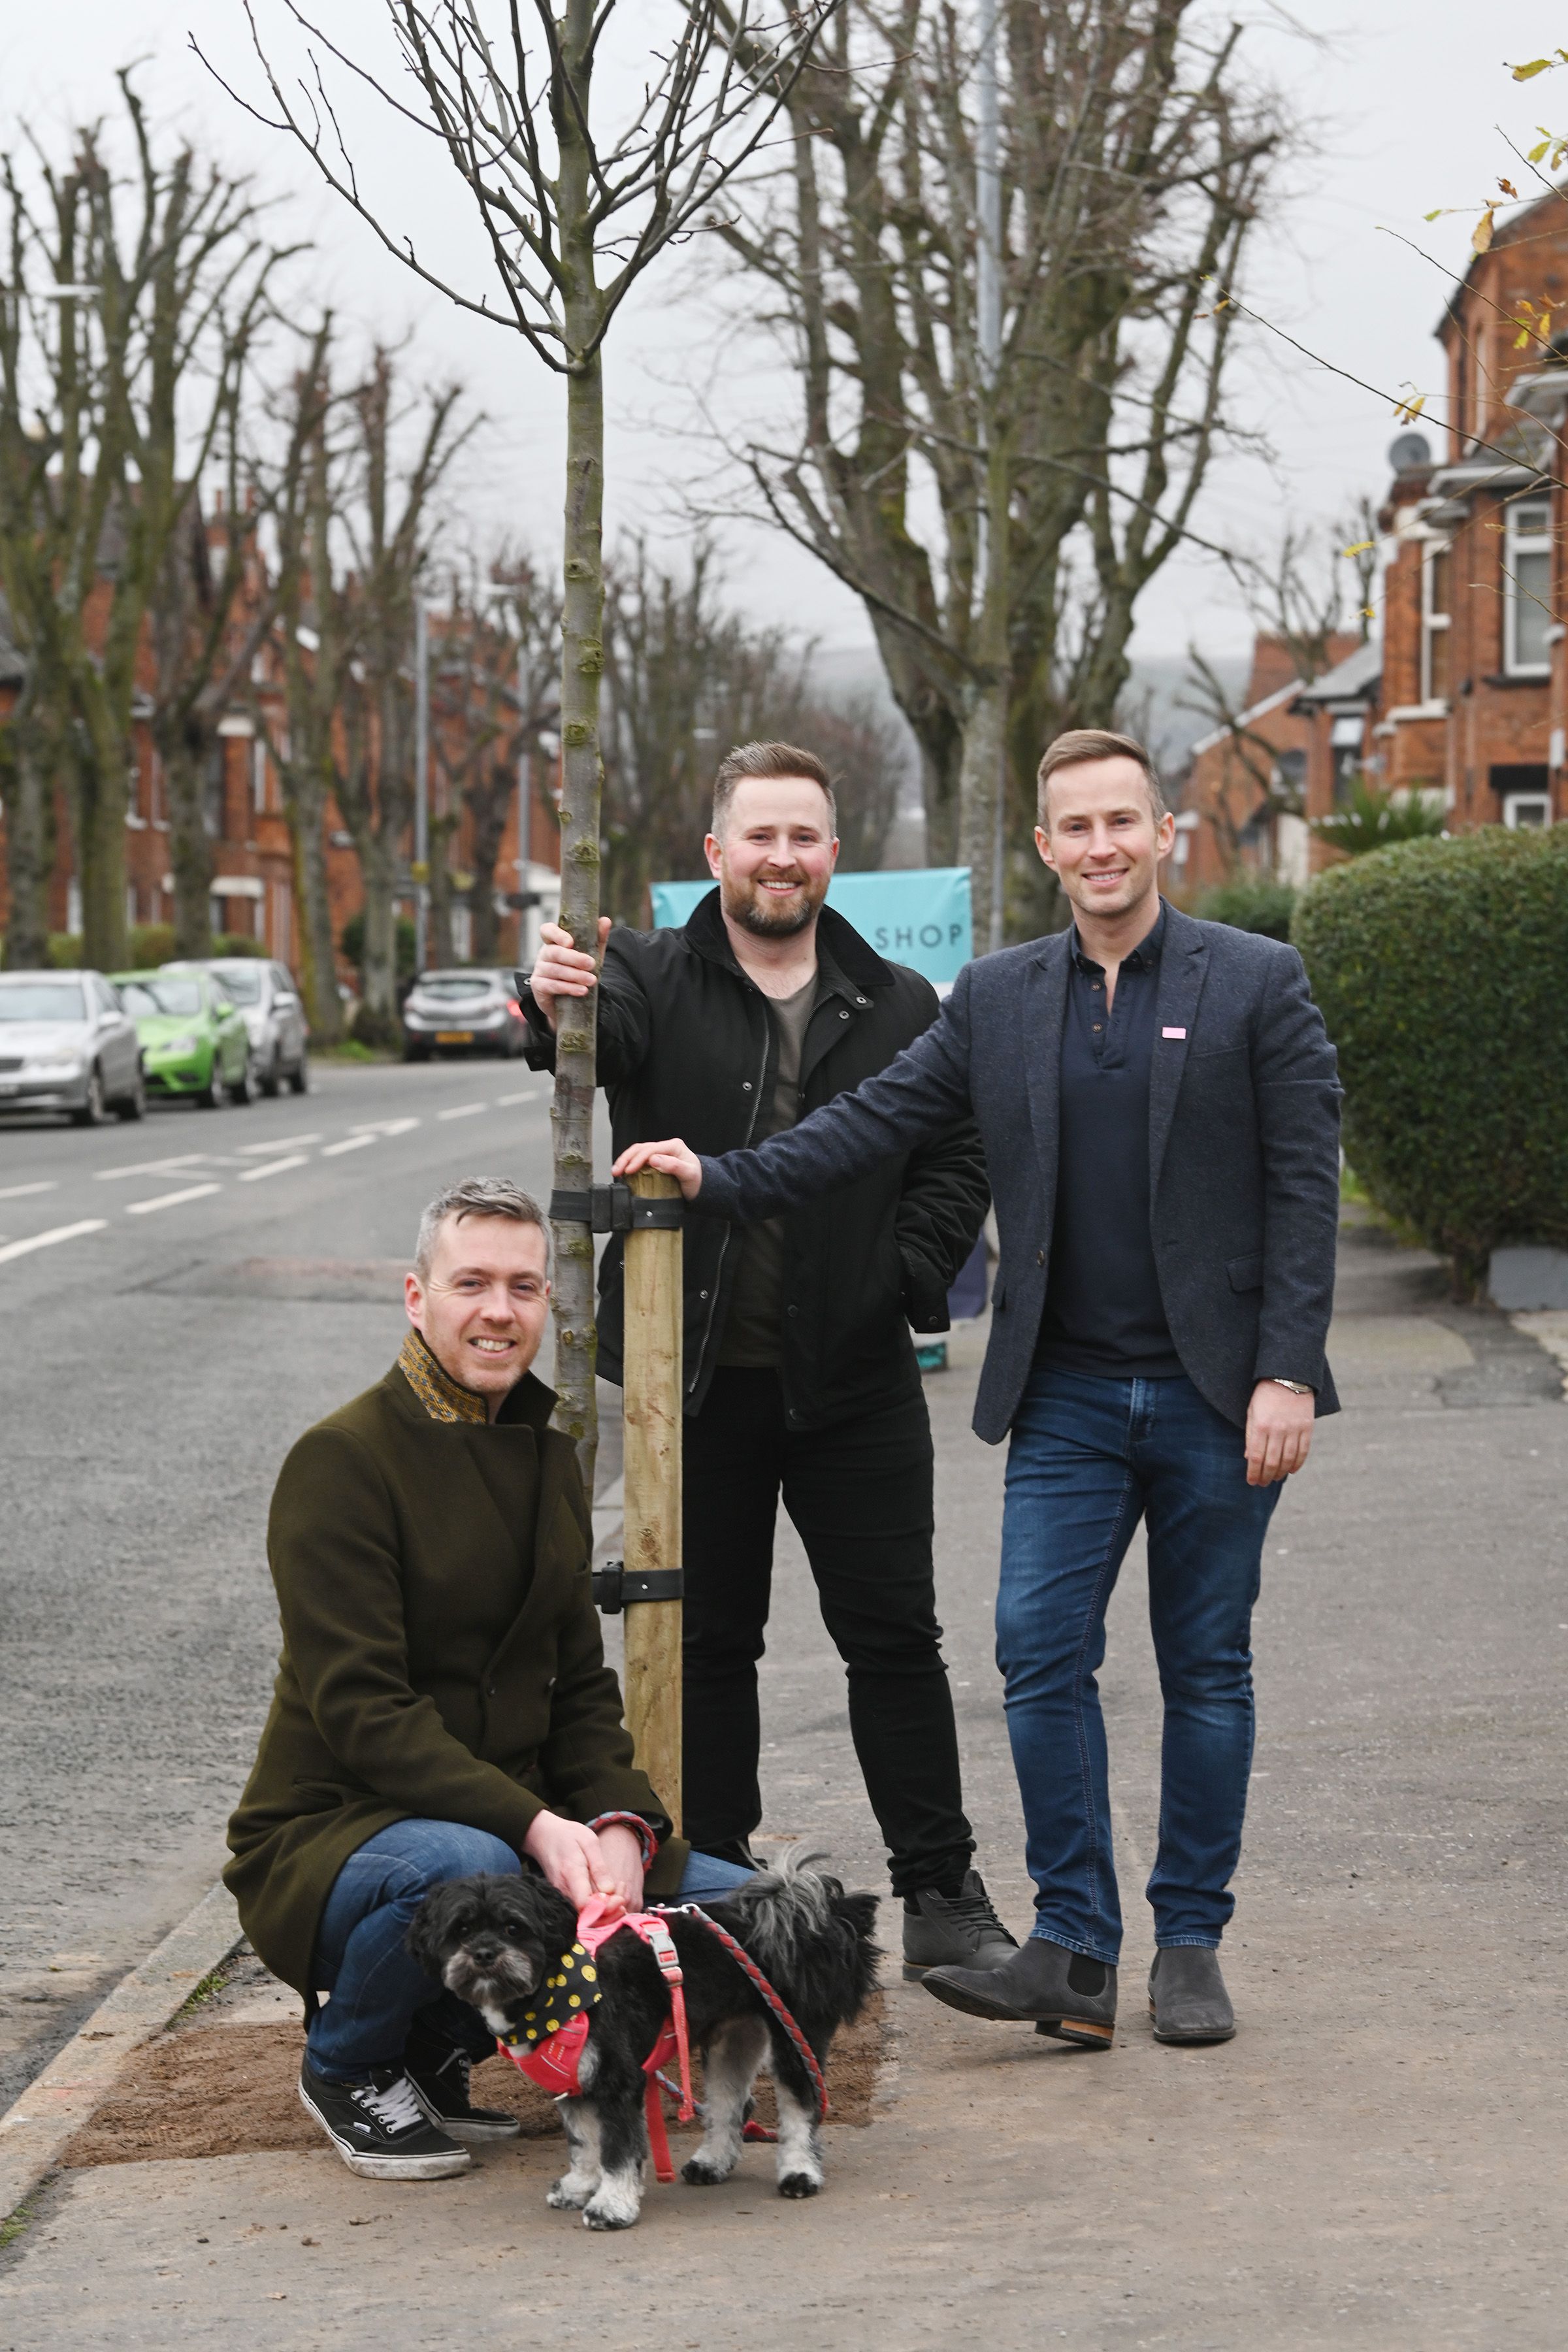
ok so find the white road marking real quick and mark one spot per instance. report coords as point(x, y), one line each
point(274, 1168)
point(170, 1199)
point(279, 1143)
point(385, 1126)
point(350, 1143)
point(152, 1167)
point(17, 1191)
point(505, 1102)
point(462, 1110)
point(59, 1233)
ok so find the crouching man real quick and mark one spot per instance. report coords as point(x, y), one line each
point(442, 1704)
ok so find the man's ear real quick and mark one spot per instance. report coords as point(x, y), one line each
point(713, 850)
point(413, 1300)
point(1043, 843)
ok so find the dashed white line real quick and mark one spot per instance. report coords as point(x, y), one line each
point(529, 1094)
point(275, 1168)
point(59, 1233)
point(279, 1143)
point(383, 1126)
point(170, 1199)
point(152, 1167)
point(462, 1110)
point(20, 1192)
point(349, 1143)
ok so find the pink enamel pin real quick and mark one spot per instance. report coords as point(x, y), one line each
point(1173, 1032)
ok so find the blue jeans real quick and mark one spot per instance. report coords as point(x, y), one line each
point(377, 1989)
point(1090, 1457)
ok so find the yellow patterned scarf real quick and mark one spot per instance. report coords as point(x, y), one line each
point(443, 1397)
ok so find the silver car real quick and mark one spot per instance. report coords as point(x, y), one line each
point(465, 1011)
point(66, 1046)
point(273, 1018)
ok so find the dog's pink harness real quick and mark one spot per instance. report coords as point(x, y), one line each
point(556, 2064)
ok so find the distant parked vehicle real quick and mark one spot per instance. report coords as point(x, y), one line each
point(467, 1011)
point(66, 1044)
point(194, 1042)
point(274, 1017)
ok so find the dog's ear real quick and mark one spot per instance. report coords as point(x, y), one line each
point(857, 1912)
point(437, 1926)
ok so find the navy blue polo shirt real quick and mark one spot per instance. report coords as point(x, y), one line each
point(1103, 1312)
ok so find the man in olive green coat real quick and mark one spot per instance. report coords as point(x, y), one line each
point(442, 1704)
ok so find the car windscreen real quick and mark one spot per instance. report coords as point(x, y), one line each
point(458, 987)
point(42, 1000)
point(242, 982)
point(181, 998)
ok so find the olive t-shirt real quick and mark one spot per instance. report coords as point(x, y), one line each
point(752, 1328)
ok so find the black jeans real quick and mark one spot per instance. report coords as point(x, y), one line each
point(859, 1494)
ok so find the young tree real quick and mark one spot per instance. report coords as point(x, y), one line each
point(132, 305)
point(572, 217)
point(1008, 351)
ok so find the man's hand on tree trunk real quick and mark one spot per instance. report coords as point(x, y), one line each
point(562, 969)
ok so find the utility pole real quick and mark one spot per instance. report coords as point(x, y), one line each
point(988, 320)
point(421, 781)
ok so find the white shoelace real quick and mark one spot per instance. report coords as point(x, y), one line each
point(396, 2108)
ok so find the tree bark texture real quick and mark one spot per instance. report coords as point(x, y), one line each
point(25, 788)
point(190, 850)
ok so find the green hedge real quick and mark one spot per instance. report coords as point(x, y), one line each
point(1250, 902)
point(1441, 968)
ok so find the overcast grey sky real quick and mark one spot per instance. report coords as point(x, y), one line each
point(1408, 110)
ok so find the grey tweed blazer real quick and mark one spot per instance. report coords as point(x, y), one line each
point(1243, 1153)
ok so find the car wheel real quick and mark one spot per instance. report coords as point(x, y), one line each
point(212, 1096)
point(240, 1090)
point(134, 1103)
point(270, 1080)
point(300, 1077)
point(92, 1112)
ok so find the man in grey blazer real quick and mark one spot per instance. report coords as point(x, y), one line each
point(1160, 1110)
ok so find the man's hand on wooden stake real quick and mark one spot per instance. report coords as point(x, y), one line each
point(670, 1159)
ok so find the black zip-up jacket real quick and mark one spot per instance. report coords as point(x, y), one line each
point(686, 1047)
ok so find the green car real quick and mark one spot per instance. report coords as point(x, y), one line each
point(193, 1035)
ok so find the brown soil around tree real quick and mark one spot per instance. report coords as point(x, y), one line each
point(231, 2090)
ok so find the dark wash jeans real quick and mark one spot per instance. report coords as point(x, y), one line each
point(859, 1493)
point(1090, 1457)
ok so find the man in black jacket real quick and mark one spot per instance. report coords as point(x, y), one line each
point(800, 1373)
point(1160, 1109)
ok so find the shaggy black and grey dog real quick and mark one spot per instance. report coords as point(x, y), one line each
point(494, 1940)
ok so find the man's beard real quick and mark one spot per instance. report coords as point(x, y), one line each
point(753, 913)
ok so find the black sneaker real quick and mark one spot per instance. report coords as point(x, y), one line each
point(379, 2128)
point(439, 2074)
point(953, 1930)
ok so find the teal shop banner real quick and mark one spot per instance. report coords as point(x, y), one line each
point(919, 916)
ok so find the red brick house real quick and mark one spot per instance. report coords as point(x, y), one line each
point(1232, 814)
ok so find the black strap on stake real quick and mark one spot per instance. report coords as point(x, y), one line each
point(615, 1209)
point(614, 1584)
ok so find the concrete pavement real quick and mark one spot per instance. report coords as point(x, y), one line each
point(1375, 2161)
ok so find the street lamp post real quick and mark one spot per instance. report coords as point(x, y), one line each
point(421, 781)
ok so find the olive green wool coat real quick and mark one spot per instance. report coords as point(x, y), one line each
point(441, 1654)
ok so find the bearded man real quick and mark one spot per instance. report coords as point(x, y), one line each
point(801, 1378)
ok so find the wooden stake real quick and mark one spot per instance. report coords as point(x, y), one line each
point(651, 1358)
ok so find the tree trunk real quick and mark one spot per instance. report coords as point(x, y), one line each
point(582, 666)
point(99, 827)
point(304, 805)
point(376, 1021)
point(190, 851)
point(29, 808)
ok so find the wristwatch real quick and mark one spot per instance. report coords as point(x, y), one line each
point(1297, 1388)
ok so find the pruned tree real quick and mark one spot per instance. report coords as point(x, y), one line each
point(571, 217)
point(1008, 351)
point(132, 304)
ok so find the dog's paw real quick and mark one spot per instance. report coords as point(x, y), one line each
point(569, 2196)
point(608, 2217)
point(704, 2175)
point(799, 2184)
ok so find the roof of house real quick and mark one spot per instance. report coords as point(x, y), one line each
point(1355, 677)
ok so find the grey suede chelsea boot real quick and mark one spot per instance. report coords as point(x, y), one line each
point(1073, 1997)
point(1187, 1998)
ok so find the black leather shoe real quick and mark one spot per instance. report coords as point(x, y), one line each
point(1187, 1998)
point(1075, 1997)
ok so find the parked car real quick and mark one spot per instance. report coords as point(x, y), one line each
point(66, 1044)
point(194, 1041)
point(273, 1014)
point(471, 1011)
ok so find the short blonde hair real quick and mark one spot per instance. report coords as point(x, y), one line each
point(1082, 743)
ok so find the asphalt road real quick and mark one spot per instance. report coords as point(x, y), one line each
point(222, 1279)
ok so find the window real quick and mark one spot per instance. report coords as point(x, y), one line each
point(1435, 570)
point(1527, 588)
point(1521, 810)
point(259, 775)
point(1345, 748)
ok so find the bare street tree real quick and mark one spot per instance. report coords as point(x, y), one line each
point(571, 217)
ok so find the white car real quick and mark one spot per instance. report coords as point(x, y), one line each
point(66, 1046)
